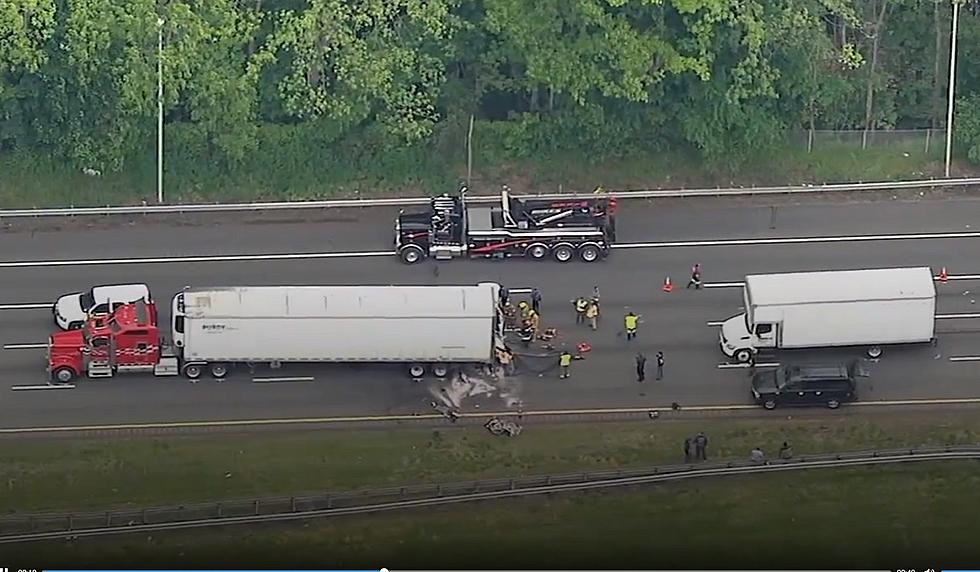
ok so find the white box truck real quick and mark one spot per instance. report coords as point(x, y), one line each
point(428, 328)
point(834, 308)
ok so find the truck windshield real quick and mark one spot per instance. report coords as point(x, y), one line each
point(87, 299)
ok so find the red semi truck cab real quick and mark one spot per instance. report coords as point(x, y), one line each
point(128, 340)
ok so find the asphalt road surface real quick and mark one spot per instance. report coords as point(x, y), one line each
point(631, 278)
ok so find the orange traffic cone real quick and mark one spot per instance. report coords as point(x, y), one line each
point(943, 276)
point(584, 347)
point(668, 287)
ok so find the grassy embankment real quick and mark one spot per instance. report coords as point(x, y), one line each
point(36, 181)
point(855, 518)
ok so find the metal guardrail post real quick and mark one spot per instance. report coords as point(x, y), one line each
point(219, 511)
point(71, 521)
point(292, 504)
point(256, 507)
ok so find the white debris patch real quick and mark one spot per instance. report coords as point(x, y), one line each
point(465, 388)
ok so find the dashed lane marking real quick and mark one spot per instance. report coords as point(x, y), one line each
point(724, 284)
point(745, 365)
point(434, 416)
point(40, 387)
point(714, 324)
point(367, 254)
point(281, 379)
point(38, 306)
point(964, 358)
point(25, 346)
point(956, 316)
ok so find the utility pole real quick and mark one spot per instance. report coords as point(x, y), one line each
point(469, 155)
point(952, 85)
point(160, 110)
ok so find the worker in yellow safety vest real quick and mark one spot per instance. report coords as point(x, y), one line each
point(581, 305)
point(565, 362)
point(631, 321)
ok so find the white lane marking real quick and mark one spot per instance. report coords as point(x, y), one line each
point(25, 346)
point(715, 324)
point(26, 306)
point(520, 290)
point(280, 379)
point(745, 365)
point(439, 416)
point(960, 277)
point(955, 316)
point(172, 259)
point(325, 255)
point(798, 240)
point(724, 284)
point(42, 387)
point(964, 358)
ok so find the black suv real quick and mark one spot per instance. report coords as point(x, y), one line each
point(823, 384)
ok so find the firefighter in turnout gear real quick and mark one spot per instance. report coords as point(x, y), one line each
point(592, 313)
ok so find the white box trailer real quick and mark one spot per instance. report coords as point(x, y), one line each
point(833, 308)
point(423, 326)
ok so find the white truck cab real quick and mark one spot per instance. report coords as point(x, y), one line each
point(832, 309)
point(71, 310)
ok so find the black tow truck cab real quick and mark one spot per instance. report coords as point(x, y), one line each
point(535, 228)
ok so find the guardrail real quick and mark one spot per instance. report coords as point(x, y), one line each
point(43, 526)
point(414, 201)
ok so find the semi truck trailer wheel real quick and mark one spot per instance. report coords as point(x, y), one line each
point(193, 370)
point(219, 370)
point(416, 370)
point(440, 370)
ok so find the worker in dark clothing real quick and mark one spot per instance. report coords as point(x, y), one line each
point(641, 366)
point(565, 363)
point(504, 297)
point(687, 449)
point(536, 300)
point(660, 365)
point(701, 446)
point(581, 305)
point(785, 452)
point(695, 277)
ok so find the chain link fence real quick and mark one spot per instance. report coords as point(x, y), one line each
point(918, 140)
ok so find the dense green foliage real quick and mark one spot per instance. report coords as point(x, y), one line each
point(307, 85)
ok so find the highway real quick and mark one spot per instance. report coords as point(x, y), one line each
point(667, 238)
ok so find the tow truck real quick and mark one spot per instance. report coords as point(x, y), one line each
point(532, 228)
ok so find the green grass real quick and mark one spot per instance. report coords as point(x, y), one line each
point(40, 181)
point(76, 474)
point(908, 516)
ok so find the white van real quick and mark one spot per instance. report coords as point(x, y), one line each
point(71, 310)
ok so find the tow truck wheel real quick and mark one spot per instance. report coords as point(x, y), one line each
point(537, 251)
point(64, 375)
point(192, 371)
point(219, 370)
point(589, 253)
point(743, 355)
point(411, 254)
point(564, 252)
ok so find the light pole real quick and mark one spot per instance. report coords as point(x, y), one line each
point(160, 110)
point(952, 85)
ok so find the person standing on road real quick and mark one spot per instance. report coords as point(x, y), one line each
point(592, 313)
point(687, 449)
point(581, 306)
point(701, 446)
point(565, 363)
point(660, 365)
point(695, 277)
point(631, 322)
point(536, 300)
point(641, 366)
point(504, 297)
